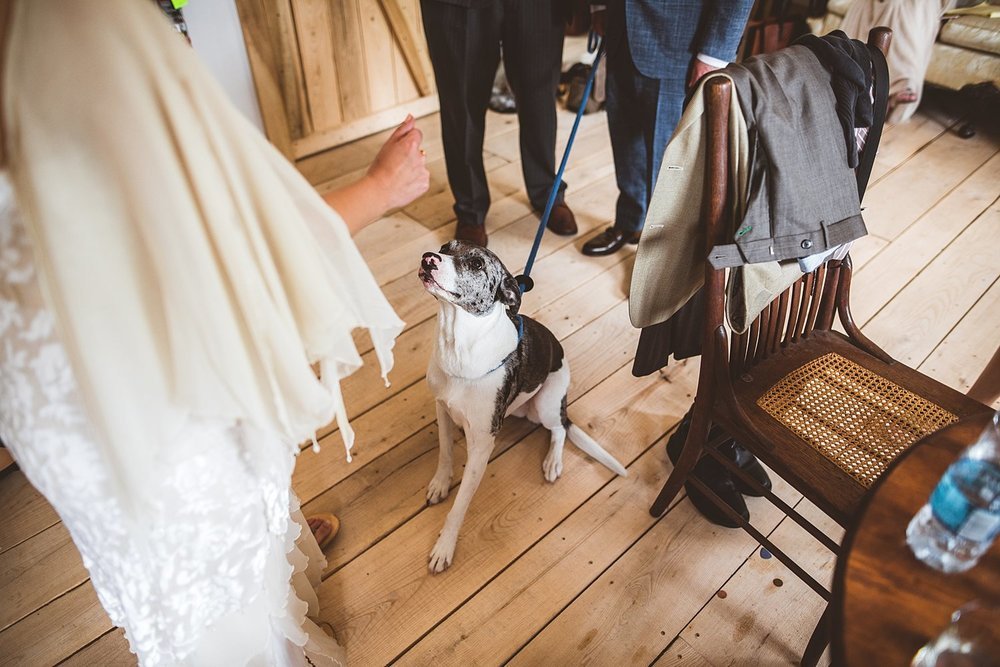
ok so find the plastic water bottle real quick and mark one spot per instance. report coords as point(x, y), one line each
point(962, 517)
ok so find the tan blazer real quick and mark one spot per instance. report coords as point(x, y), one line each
point(669, 263)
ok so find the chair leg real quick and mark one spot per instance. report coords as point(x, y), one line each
point(818, 642)
point(697, 434)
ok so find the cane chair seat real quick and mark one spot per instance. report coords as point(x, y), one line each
point(834, 417)
point(856, 418)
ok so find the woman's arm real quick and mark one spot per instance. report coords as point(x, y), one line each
point(396, 177)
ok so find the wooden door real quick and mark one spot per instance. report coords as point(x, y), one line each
point(331, 71)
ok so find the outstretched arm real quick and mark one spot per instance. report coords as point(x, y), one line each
point(396, 177)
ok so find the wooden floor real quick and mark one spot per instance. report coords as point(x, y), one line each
point(576, 572)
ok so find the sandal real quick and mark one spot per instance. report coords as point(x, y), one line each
point(324, 528)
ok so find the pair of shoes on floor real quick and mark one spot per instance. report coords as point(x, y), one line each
point(561, 221)
point(728, 487)
point(324, 528)
point(608, 242)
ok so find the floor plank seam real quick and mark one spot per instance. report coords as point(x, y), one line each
point(85, 647)
point(58, 597)
point(948, 128)
point(861, 270)
point(736, 571)
point(542, 537)
point(996, 281)
point(931, 260)
point(423, 508)
point(30, 537)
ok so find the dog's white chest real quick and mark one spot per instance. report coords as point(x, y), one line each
point(468, 401)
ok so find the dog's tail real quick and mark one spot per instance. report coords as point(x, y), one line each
point(590, 447)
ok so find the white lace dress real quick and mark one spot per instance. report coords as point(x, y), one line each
point(223, 574)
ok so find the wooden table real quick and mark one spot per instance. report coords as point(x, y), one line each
point(887, 604)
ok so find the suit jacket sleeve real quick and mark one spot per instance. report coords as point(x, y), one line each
point(723, 22)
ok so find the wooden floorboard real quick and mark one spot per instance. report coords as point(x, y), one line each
point(50, 561)
point(758, 611)
point(25, 513)
point(638, 605)
point(680, 654)
point(921, 314)
point(959, 359)
point(575, 571)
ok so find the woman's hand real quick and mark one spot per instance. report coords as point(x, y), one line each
point(396, 177)
point(399, 168)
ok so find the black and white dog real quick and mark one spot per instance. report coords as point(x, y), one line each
point(490, 362)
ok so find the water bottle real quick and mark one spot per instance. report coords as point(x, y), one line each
point(962, 517)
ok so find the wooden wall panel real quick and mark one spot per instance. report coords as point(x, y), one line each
point(331, 71)
point(348, 49)
point(314, 25)
point(404, 19)
point(406, 89)
point(272, 48)
point(378, 41)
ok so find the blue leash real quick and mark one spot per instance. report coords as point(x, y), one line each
point(524, 281)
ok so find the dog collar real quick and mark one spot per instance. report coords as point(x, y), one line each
point(520, 335)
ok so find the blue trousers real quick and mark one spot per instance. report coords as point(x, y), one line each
point(642, 115)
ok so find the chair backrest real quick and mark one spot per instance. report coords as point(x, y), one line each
point(811, 303)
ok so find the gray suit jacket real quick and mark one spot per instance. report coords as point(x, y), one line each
point(664, 35)
point(803, 196)
point(791, 187)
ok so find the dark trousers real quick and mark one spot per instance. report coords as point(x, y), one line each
point(642, 115)
point(464, 45)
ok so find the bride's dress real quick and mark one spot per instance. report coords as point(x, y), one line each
point(167, 282)
point(224, 570)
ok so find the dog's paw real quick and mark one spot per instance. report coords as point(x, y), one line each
point(441, 555)
point(438, 489)
point(552, 466)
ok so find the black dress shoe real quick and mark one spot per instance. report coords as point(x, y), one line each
point(610, 241)
point(747, 462)
point(715, 477)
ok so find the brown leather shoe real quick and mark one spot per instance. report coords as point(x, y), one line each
point(609, 241)
point(562, 221)
point(472, 233)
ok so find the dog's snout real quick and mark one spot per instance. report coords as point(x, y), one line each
point(430, 260)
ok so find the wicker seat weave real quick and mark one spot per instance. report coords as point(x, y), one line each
point(854, 417)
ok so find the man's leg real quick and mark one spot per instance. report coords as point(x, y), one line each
point(633, 103)
point(533, 33)
point(464, 47)
point(625, 124)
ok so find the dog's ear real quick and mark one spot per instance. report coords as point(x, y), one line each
point(509, 293)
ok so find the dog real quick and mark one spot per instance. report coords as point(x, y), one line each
point(489, 362)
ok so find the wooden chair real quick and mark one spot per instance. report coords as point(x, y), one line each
point(825, 411)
